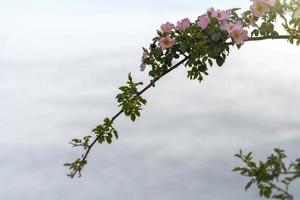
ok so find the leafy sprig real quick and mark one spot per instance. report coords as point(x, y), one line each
point(129, 100)
point(272, 177)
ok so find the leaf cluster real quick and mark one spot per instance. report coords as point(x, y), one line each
point(103, 133)
point(272, 177)
point(129, 99)
point(106, 131)
point(201, 47)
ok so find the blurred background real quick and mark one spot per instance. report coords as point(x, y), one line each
point(61, 63)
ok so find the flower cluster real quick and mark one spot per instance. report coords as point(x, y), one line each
point(227, 21)
point(235, 30)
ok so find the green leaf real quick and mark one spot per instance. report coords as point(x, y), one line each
point(216, 37)
point(116, 134)
point(108, 140)
point(130, 77)
point(183, 47)
point(237, 169)
point(137, 113)
point(220, 61)
point(210, 62)
point(132, 117)
point(157, 52)
point(107, 122)
point(101, 139)
point(248, 185)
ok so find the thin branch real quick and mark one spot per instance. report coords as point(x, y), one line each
point(85, 155)
point(291, 173)
point(279, 37)
point(281, 190)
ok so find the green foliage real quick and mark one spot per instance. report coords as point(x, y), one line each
point(81, 142)
point(272, 177)
point(291, 24)
point(105, 132)
point(77, 165)
point(129, 99)
point(201, 48)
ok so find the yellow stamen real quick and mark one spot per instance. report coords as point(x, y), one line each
point(236, 36)
point(259, 7)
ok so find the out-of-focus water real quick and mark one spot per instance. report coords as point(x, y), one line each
point(60, 74)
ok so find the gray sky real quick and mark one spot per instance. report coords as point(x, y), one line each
point(61, 64)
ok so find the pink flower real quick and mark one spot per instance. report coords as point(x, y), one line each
point(224, 25)
point(211, 12)
point(271, 3)
point(166, 42)
point(235, 31)
point(203, 21)
point(259, 7)
point(239, 36)
point(142, 67)
point(145, 55)
point(231, 27)
point(183, 24)
point(220, 15)
point(167, 27)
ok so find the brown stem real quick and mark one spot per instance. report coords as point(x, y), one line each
point(281, 190)
point(269, 37)
point(84, 158)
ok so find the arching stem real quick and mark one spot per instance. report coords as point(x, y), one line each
point(88, 150)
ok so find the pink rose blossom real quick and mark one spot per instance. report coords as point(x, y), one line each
point(183, 24)
point(235, 31)
point(239, 36)
point(166, 42)
point(220, 15)
point(203, 21)
point(231, 27)
point(224, 25)
point(259, 8)
point(167, 27)
point(211, 12)
point(142, 67)
point(145, 55)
